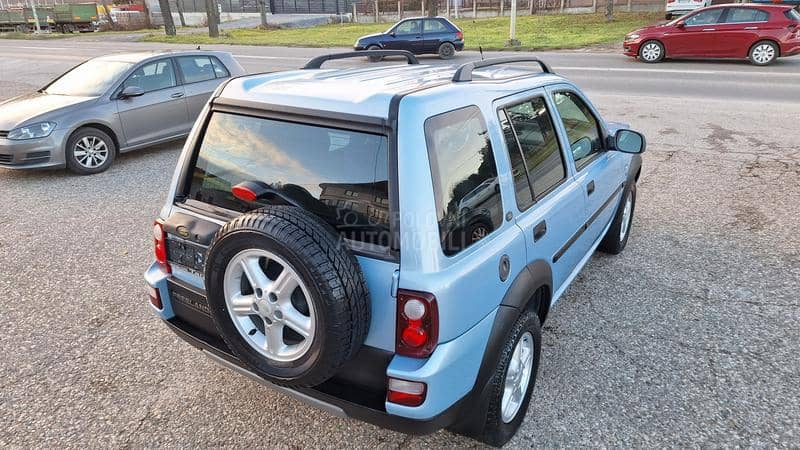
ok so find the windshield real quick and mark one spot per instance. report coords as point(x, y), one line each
point(90, 79)
point(339, 175)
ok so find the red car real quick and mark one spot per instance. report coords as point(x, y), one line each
point(761, 33)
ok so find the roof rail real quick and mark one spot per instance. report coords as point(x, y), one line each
point(464, 72)
point(317, 62)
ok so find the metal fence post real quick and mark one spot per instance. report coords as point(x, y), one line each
point(474, 9)
point(399, 10)
point(376, 11)
point(355, 14)
point(502, 7)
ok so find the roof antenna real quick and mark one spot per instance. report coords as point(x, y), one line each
point(198, 47)
point(480, 49)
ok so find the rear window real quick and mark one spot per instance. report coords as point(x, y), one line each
point(466, 189)
point(792, 14)
point(339, 175)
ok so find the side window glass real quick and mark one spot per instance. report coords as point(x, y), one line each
point(522, 189)
point(537, 138)
point(153, 76)
point(196, 68)
point(219, 69)
point(744, 15)
point(409, 27)
point(466, 190)
point(582, 128)
point(434, 26)
point(707, 17)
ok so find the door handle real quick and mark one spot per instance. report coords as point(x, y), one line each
point(177, 95)
point(539, 230)
point(750, 28)
point(590, 188)
point(709, 29)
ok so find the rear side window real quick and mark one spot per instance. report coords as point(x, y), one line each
point(434, 26)
point(466, 189)
point(219, 69)
point(742, 15)
point(309, 166)
point(536, 137)
point(196, 68)
point(793, 15)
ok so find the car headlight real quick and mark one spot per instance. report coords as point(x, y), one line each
point(33, 131)
point(631, 37)
point(356, 43)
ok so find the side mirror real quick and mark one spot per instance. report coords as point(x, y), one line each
point(392, 34)
point(131, 91)
point(629, 141)
point(680, 24)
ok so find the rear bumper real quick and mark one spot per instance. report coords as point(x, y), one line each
point(790, 48)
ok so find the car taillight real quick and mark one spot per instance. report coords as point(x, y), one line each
point(417, 324)
point(670, 1)
point(406, 393)
point(160, 241)
point(459, 36)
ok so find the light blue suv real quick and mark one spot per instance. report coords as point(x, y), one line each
point(384, 243)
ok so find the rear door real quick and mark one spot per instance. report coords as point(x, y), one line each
point(550, 203)
point(433, 33)
point(407, 35)
point(740, 30)
point(600, 173)
point(698, 37)
point(160, 112)
point(201, 74)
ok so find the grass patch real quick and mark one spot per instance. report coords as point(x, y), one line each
point(33, 36)
point(564, 31)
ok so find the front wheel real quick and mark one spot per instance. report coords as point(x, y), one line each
point(89, 151)
point(617, 236)
point(513, 380)
point(651, 52)
point(447, 50)
point(763, 53)
point(374, 58)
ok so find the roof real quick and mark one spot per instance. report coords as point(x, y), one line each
point(369, 91)
point(137, 57)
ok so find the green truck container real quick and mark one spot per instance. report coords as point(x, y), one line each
point(12, 20)
point(45, 14)
point(76, 17)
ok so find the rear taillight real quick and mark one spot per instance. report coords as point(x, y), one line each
point(160, 241)
point(670, 1)
point(406, 393)
point(417, 324)
point(459, 36)
point(155, 298)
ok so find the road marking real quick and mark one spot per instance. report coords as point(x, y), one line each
point(273, 57)
point(44, 48)
point(689, 72)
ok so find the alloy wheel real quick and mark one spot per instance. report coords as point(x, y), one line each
point(518, 376)
point(763, 53)
point(651, 51)
point(91, 152)
point(626, 218)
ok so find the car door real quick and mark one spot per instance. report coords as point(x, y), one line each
point(550, 203)
point(433, 33)
point(160, 112)
point(201, 74)
point(740, 30)
point(698, 36)
point(600, 173)
point(407, 35)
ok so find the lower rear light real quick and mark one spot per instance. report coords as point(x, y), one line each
point(417, 324)
point(155, 297)
point(160, 243)
point(459, 36)
point(406, 393)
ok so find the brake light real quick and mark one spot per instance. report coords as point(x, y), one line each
point(417, 324)
point(160, 242)
point(670, 1)
point(244, 193)
point(406, 393)
point(459, 36)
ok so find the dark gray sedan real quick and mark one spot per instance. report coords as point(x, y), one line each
point(108, 105)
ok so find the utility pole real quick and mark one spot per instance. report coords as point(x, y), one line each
point(166, 14)
point(213, 23)
point(262, 10)
point(512, 31)
point(35, 18)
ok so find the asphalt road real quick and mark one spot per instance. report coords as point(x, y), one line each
point(688, 338)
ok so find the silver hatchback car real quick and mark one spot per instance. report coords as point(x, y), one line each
point(108, 105)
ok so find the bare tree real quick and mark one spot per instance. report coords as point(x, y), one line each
point(262, 9)
point(432, 7)
point(107, 10)
point(179, 4)
point(213, 18)
point(609, 10)
point(166, 14)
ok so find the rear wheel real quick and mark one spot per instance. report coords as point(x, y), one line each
point(374, 58)
point(763, 53)
point(651, 52)
point(89, 151)
point(447, 50)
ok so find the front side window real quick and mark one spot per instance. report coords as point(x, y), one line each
point(196, 68)
point(434, 26)
point(153, 76)
point(409, 27)
point(466, 189)
point(707, 17)
point(744, 15)
point(582, 127)
point(304, 165)
point(536, 137)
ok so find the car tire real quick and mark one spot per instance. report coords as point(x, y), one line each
point(521, 350)
point(89, 151)
point(616, 238)
point(763, 53)
point(307, 313)
point(651, 52)
point(374, 58)
point(446, 50)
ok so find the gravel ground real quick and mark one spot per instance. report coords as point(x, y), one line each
point(688, 338)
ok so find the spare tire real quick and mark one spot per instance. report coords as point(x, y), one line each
point(286, 295)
